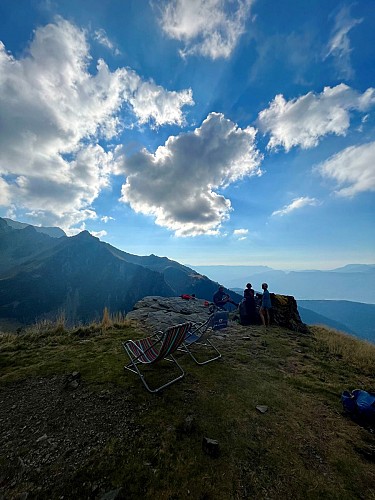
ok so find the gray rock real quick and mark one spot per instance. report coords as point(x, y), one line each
point(159, 313)
point(112, 495)
point(211, 447)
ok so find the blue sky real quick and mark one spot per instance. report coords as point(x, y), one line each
point(211, 132)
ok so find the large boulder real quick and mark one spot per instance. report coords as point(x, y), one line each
point(285, 313)
point(158, 313)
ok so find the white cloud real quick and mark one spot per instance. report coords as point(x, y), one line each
point(353, 169)
point(178, 183)
point(296, 204)
point(151, 102)
point(304, 120)
point(241, 234)
point(98, 234)
point(101, 36)
point(206, 27)
point(106, 218)
point(53, 112)
point(339, 44)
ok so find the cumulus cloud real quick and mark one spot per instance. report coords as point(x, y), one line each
point(178, 183)
point(296, 204)
point(338, 46)
point(353, 169)
point(210, 28)
point(304, 120)
point(54, 112)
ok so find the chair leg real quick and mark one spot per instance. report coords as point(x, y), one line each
point(186, 348)
point(133, 367)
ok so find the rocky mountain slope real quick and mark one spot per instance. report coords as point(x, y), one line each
point(43, 277)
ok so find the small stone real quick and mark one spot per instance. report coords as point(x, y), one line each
point(112, 495)
point(211, 447)
point(189, 423)
point(42, 438)
point(262, 408)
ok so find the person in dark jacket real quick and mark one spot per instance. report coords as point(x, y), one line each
point(220, 298)
point(250, 306)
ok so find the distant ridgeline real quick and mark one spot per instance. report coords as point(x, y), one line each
point(44, 273)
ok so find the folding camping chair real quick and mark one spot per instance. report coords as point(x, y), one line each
point(198, 334)
point(153, 349)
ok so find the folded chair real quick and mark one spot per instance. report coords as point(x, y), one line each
point(153, 349)
point(198, 335)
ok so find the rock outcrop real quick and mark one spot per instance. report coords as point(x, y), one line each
point(285, 313)
point(158, 313)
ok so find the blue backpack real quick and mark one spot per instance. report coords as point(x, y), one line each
point(360, 404)
point(220, 320)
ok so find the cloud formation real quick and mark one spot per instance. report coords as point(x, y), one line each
point(303, 121)
point(296, 204)
point(54, 112)
point(339, 44)
point(353, 169)
point(240, 234)
point(210, 28)
point(178, 183)
point(101, 37)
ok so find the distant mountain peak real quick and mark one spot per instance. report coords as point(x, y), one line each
point(53, 232)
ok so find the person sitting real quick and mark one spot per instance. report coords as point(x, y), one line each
point(220, 298)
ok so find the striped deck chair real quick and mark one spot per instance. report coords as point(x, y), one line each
point(198, 335)
point(151, 350)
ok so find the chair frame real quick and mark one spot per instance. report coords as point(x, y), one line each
point(198, 335)
point(155, 348)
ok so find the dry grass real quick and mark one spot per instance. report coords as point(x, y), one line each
point(353, 351)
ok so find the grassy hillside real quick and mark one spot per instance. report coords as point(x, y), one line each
point(109, 436)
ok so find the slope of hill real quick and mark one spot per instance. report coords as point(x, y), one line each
point(312, 318)
point(356, 318)
point(105, 437)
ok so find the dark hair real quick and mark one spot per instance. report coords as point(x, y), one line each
point(249, 285)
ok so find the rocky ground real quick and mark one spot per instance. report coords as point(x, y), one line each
point(49, 428)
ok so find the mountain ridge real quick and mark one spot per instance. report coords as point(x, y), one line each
point(78, 276)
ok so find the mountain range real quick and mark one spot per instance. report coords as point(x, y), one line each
point(354, 282)
point(42, 276)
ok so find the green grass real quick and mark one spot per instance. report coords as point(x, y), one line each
point(303, 447)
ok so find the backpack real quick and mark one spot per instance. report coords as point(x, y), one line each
point(359, 404)
point(220, 320)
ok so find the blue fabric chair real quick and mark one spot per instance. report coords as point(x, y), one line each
point(199, 333)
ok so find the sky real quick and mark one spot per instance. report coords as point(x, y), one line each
point(212, 132)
